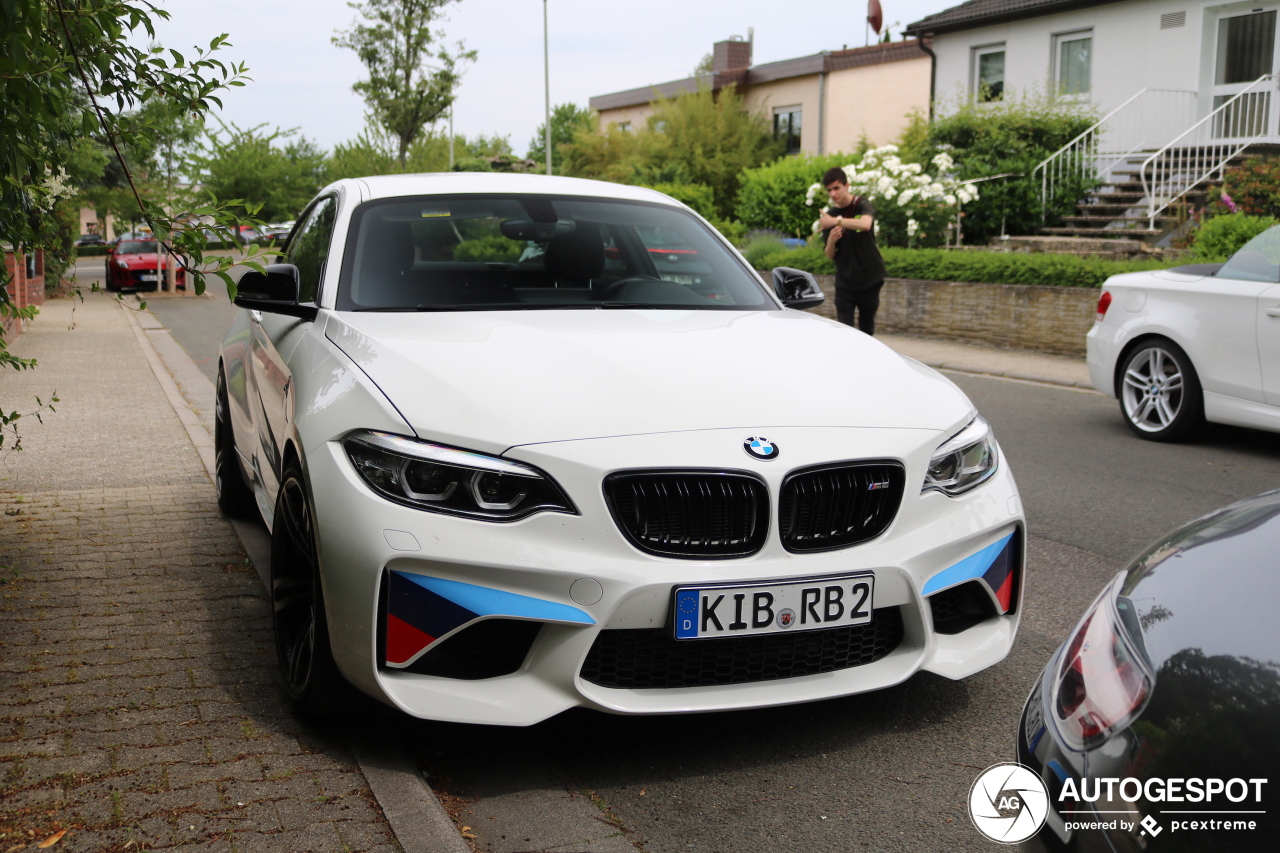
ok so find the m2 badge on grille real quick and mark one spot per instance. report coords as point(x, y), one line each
point(773, 607)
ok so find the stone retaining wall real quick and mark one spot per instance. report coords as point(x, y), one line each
point(1045, 319)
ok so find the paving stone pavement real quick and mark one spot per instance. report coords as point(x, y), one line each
point(138, 700)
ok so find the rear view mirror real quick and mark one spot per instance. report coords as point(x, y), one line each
point(797, 288)
point(274, 291)
point(541, 232)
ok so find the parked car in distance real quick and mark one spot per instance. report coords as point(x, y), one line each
point(134, 265)
point(276, 233)
point(1196, 343)
point(504, 483)
point(1167, 681)
point(90, 240)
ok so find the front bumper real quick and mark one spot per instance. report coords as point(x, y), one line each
point(362, 537)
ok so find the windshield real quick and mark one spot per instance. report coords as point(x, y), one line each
point(1257, 260)
point(474, 253)
point(136, 247)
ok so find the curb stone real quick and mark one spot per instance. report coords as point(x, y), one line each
point(417, 819)
point(1012, 374)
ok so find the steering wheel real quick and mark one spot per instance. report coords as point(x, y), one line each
point(613, 290)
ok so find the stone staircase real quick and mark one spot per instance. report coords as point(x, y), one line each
point(1118, 210)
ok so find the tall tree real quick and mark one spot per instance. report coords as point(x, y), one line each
point(267, 170)
point(566, 120)
point(413, 77)
point(703, 138)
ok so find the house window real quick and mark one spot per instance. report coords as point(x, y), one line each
point(988, 72)
point(1246, 47)
point(31, 265)
point(786, 127)
point(624, 126)
point(1073, 53)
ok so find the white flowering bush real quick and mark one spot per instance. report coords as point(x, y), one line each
point(913, 208)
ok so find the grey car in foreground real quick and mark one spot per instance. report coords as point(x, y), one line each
point(1156, 725)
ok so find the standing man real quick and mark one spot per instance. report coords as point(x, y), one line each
point(848, 239)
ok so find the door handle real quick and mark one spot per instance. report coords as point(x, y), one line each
point(1274, 312)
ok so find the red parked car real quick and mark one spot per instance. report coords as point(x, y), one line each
point(136, 265)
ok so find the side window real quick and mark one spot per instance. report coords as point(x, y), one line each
point(309, 248)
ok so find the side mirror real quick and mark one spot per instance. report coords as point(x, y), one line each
point(274, 291)
point(797, 288)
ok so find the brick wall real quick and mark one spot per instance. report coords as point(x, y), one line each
point(1045, 319)
point(24, 288)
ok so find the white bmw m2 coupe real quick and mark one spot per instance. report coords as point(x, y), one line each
point(530, 443)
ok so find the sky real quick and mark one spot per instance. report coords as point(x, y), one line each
point(301, 80)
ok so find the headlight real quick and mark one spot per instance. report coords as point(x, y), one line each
point(124, 265)
point(1103, 678)
point(964, 461)
point(443, 479)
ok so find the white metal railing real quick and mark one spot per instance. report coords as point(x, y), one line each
point(1139, 124)
point(1208, 145)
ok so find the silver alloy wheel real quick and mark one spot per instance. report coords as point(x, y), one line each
point(1153, 389)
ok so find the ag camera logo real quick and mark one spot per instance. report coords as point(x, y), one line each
point(1008, 803)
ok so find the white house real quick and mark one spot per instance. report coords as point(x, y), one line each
point(1183, 85)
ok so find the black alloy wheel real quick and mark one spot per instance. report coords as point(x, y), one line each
point(1160, 394)
point(235, 498)
point(311, 676)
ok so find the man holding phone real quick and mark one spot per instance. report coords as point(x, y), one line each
point(848, 238)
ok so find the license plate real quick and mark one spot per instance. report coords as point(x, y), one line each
point(149, 276)
point(773, 607)
point(1033, 725)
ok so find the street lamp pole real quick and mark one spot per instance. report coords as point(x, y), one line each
point(546, 74)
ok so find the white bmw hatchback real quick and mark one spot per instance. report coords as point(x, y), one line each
point(530, 443)
point(1197, 343)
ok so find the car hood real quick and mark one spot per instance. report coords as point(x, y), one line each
point(144, 259)
point(493, 380)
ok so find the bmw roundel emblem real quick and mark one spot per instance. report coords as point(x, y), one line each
point(760, 448)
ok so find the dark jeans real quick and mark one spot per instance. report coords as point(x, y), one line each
point(866, 300)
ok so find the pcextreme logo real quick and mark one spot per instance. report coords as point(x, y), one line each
point(1008, 803)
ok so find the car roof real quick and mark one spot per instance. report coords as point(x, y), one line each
point(392, 186)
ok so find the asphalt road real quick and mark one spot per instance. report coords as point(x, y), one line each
point(881, 771)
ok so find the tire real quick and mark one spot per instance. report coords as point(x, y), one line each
point(235, 498)
point(1160, 394)
point(311, 677)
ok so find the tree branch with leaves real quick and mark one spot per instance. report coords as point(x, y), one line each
point(72, 70)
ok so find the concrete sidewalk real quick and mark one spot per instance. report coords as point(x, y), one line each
point(993, 361)
point(138, 698)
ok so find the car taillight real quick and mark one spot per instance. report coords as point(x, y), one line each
point(1104, 302)
point(1103, 679)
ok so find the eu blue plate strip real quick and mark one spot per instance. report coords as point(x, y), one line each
point(973, 566)
point(484, 601)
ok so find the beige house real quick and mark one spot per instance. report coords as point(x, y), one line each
point(819, 104)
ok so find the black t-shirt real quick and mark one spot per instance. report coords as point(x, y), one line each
point(858, 261)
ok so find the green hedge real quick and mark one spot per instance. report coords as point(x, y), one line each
point(772, 196)
point(90, 251)
point(977, 267)
point(1222, 236)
